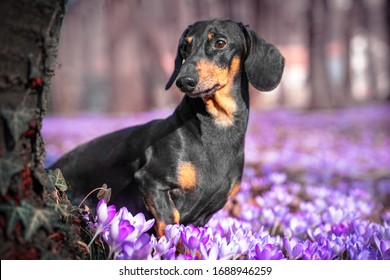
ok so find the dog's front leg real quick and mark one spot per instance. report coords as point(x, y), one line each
point(158, 201)
point(161, 206)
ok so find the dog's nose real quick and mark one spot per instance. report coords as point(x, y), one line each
point(186, 83)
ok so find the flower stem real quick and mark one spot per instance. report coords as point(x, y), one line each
point(96, 189)
point(93, 238)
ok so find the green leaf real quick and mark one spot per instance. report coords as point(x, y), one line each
point(58, 179)
point(10, 164)
point(15, 214)
point(17, 119)
point(39, 218)
point(104, 193)
point(19, 213)
point(61, 209)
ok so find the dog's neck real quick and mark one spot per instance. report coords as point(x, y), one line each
point(195, 114)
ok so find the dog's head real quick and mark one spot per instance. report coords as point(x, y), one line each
point(212, 53)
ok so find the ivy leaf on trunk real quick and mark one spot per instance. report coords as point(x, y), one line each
point(57, 179)
point(41, 217)
point(17, 119)
point(15, 214)
point(10, 164)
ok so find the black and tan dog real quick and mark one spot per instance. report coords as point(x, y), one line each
point(185, 167)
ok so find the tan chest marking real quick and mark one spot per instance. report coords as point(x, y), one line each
point(234, 190)
point(176, 216)
point(221, 105)
point(186, 175)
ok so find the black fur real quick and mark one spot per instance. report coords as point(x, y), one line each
point(140, 163)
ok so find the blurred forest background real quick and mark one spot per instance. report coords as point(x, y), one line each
point(116, 56)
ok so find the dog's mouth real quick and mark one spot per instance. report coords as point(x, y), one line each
point(204, 93)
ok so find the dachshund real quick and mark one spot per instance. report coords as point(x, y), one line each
point(184, 168)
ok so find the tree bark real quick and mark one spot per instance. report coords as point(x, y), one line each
point(338, 53)
point(317, 19)
point(388, 44)
point(30, 205)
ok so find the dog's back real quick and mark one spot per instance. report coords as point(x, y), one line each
point(112, 159)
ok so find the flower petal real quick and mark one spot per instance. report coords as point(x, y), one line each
point(213, 253)
point(193, 243)
point(102, 211)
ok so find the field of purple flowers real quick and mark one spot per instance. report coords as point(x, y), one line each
point(316, 185)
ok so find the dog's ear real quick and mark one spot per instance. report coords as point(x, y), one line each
point(178, 63)
point(178, 60)
point(264, 63)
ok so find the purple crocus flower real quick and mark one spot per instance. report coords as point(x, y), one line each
point(192, 243)
point(211, 253)
point(294, 249)
point(298, 225)
point(360, 249)
point(170, 254)
point(318, 254)
point(226, 225)
point(192, 237)
point(309, 250)
point(250, 213)
point(323, 252)
point(105, 216)
point(139, 249)
point(173, 233)
point(317, 233)
point(339, 229)
point(365, 253)
point(336, 246)
point(277, 178)
point(333, 215)
point(383, 247)
point(243, 244)
point(267, 252)
point(161, 246)
point(363, 229)
point(120, 231)
point(228, 249)
point(138, 221)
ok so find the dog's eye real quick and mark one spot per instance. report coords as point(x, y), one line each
point(220, 44)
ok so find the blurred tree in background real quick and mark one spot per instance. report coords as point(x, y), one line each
point(116, 56)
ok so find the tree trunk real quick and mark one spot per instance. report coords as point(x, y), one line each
point(388, 44)
point(31, 208)
point(320, 96)
point(126, 79)
point(378, 51)
point(338, 53)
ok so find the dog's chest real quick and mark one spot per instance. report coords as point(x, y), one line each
point(209, 172)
